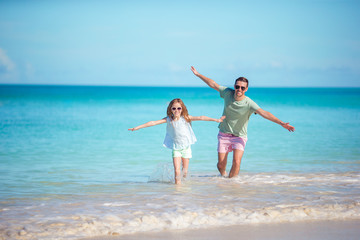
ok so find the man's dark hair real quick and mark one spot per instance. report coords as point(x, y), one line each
point(242, 79)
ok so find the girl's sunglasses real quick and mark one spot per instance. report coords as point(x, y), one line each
point(242, 88)
point(179, 108)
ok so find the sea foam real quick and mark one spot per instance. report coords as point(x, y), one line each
point(204, 201)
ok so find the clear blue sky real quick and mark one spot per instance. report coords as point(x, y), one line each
point(142, 43)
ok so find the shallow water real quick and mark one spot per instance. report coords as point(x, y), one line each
point(70, 169)
point(201, 201)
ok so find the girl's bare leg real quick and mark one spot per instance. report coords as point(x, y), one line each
point(185, 166)
point(177, 169)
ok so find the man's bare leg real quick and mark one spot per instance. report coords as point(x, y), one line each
point(235, 168)
point(222, 161)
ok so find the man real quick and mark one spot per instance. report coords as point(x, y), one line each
point(233, 130)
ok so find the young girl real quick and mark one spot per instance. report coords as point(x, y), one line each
point(179, 134)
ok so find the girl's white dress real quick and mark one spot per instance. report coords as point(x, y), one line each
point(179, 134)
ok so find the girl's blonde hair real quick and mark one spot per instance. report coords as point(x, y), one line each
point(184, 112)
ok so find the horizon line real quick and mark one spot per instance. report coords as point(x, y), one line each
point(154, 86)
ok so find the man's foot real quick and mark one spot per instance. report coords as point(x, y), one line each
point(224, 174)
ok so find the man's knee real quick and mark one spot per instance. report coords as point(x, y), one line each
point(237, 157)
point(236, 166)
point(236, 162)
point(221, 166)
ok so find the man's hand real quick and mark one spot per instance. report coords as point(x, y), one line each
point(211, 83)
point(288, 127)
point(194, 71)
point(269, 116)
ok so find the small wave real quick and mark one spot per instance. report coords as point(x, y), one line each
point(206, 200)
point(112, 224)
point(116, 204)
point(286, 178)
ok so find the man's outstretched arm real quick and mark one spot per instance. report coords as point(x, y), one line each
point(211, 83)
point(271, 117)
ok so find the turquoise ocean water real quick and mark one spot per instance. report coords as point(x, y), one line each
point(69, 168)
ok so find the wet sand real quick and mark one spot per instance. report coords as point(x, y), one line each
point(315, 230)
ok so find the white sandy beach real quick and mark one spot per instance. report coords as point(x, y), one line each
point(315, 230)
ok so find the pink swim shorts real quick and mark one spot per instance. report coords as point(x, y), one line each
point(227, 142)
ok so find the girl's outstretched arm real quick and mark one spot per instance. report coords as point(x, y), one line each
point(205, 118)
point(148, 124)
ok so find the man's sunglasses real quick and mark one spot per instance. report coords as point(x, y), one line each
point(179, 108)
point(242, 88)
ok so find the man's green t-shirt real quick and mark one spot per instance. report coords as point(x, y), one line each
point(237, 113)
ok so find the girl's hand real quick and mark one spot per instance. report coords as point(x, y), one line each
point(132, 129)
point(221, 119)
